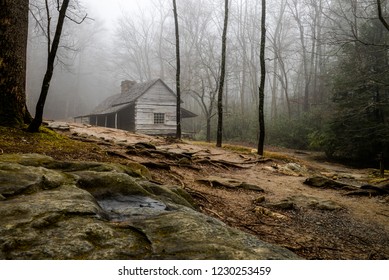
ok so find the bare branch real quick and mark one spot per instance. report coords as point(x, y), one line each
point(80, 21)
point(48, 28)
point(380, 15)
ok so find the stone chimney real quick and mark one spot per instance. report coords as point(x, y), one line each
point(126, 85)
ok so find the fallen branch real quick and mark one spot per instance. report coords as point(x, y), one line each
point(222, 163)
point(177, 179)
point(260, 223)
point(211, 162)
point(213, 212)
point(157, 165)
point(117, 154)
point(197, 194)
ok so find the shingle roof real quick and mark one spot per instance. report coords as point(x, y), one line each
point(119, 101)
point(134, 93)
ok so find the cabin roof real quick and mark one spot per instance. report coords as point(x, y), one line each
point(136, 91)
point(120, 101)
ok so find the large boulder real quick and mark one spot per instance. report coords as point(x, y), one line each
point(78, 210)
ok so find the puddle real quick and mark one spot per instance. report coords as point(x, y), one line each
point(121, 208)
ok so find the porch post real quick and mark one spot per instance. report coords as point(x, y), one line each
point(116, 120)
point(106, 120)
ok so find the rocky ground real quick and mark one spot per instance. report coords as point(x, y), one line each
point(315, 209)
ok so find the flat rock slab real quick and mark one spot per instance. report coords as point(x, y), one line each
point(229, 183)
point(325, 183)
point(305, 201)
point(365, 190)
point(80, 210)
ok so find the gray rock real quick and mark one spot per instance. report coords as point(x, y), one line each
point(131, 168)
point(202, 237)
point(259, 199)
point(313, 202)
point(285, 204)
point(59, 126)
point(27, 159)
point(92, 211)
point(16, 179)
point(322, 182)
point(229, 183)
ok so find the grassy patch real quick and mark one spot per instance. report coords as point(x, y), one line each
point(47, 142)
point(280, 156)
point(248, 150)
point(229, 147)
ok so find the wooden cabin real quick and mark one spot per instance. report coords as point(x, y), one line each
point(148, 108)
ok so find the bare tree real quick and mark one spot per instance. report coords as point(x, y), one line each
point(52, 48)
point(261, 140)
point(278, 62)
point(52, 53)
point(178, 72)
point(222, 78)
point(136, 47)
point(296, 12)
point(206, 99)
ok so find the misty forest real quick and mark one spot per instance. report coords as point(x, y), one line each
point(326, 64)
point(271, 91)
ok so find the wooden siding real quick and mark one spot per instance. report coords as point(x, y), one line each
point(158, 99)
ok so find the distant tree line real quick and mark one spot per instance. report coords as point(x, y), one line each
point(326, 69)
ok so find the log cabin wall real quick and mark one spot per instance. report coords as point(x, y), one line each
point(157, 100)
point(148, 108)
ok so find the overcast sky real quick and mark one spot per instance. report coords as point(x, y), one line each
point(110, 10)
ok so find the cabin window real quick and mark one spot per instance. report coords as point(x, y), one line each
point(159, 118)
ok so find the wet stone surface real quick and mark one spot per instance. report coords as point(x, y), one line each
point(82, 210)
point(121, 208)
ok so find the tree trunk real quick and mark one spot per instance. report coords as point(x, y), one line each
point(178, 71)
point(277, 60)
point(222, 77)
point(208, 129)
point(37, 121)
point(13, 46)
point(261, 140)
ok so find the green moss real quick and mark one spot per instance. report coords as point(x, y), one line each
point(47, 142)
point(282, 157)
point(238, 149)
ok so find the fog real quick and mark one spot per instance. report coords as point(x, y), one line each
point(84, 73)
point(309, 44)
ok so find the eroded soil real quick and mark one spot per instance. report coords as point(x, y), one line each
point(287, 212)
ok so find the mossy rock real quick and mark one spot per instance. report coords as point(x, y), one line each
point(325, 183)
point(104, 184)
point(187, 234)
point(167, 194)
point(132, 168)
point(17, 179)
point(27, 159)
point(52, 210)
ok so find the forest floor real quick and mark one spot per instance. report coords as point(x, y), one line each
point(264, 196)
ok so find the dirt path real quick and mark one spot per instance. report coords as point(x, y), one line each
point(315, 223)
